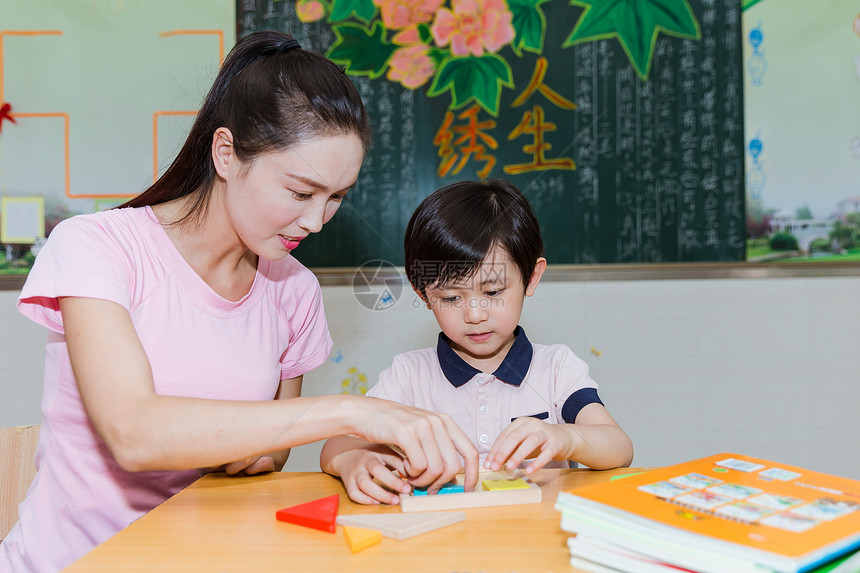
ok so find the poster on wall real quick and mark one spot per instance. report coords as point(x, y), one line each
point(95, 98)
point(802, 129)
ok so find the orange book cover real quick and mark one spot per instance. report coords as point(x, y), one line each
point(799, 514)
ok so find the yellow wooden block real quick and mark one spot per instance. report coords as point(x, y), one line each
point(359, 538)
point(501, 484)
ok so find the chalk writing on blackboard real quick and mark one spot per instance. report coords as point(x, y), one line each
point(627, 154)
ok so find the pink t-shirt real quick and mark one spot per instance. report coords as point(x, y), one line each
point(198, 344)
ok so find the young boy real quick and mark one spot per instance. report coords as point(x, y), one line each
point(473, 253)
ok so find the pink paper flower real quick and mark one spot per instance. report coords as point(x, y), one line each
point(309, 10)
point(399, 14)
point(473, 26)
point(411, 66)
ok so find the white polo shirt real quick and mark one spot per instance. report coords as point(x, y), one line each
point(547, 382)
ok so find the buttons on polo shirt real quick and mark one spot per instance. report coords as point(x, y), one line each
point(483, 409)
point(483, 438)
point(482, 378)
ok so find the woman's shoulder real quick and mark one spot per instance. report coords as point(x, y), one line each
point(290, 287)
point(288, 271)
point(110, 222)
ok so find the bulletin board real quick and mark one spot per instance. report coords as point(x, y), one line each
point(97, 96)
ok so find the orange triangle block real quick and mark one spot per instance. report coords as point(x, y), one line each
point(359, 538)
point(318, 514)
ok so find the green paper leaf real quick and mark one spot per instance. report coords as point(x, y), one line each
point(636, 24)
point(749, 4)
point(471, 78)
point(529, 24)
point(424, 34)
point(343, 9)
point(364, 52)
point(438, 56)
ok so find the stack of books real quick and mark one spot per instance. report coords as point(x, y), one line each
point(726, 513)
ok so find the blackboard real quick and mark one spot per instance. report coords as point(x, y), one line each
point(649, 164)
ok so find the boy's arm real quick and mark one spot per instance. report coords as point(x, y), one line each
point(595, 440)
point(360, 465)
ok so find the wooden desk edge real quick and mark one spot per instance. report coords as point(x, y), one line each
point(125, 550)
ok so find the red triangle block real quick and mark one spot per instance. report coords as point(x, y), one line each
point(319, 514)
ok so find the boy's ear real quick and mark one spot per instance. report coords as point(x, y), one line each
point(421, 296)
point(537, 273)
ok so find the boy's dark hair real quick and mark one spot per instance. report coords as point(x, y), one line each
point(453, 230)
point(271, 95)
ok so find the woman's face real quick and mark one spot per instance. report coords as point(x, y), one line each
point(279, 198)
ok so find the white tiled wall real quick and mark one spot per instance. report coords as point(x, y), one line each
point(766, 367)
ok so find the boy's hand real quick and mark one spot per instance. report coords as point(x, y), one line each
point(528, 437)
point(364, 472)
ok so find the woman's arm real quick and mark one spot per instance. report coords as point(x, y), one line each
point(147, 431)
point(287, 390)
point(272, 461)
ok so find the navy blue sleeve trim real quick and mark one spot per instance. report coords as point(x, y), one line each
point(541, 416)
point(577, 401)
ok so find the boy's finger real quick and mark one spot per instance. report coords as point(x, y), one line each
point(493, 454)
point(525, 448)
point(388, 479)
point(539, 462)
point(500, 452)
point(380, 495)
point(395, 462)
point(357, 495)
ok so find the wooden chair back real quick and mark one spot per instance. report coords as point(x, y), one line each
point(17, 469)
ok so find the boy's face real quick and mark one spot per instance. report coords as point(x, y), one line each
point(480, 313)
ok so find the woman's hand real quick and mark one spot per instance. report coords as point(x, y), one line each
point(432, 443)
point(245, 467)
point(251, 466)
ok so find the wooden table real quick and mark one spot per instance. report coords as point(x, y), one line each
point(227, 524)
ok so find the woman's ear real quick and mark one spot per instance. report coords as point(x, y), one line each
point(222, 151)
point(537, 273)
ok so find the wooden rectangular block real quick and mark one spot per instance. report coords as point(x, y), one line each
point(478, 498)
point(399, 526)
point(447, 488)
point(503, 484)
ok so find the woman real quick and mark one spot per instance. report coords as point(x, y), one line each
point(180, 327)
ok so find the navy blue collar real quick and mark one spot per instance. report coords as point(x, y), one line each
point(511, 371)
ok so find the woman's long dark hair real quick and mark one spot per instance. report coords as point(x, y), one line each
point(271, 95)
